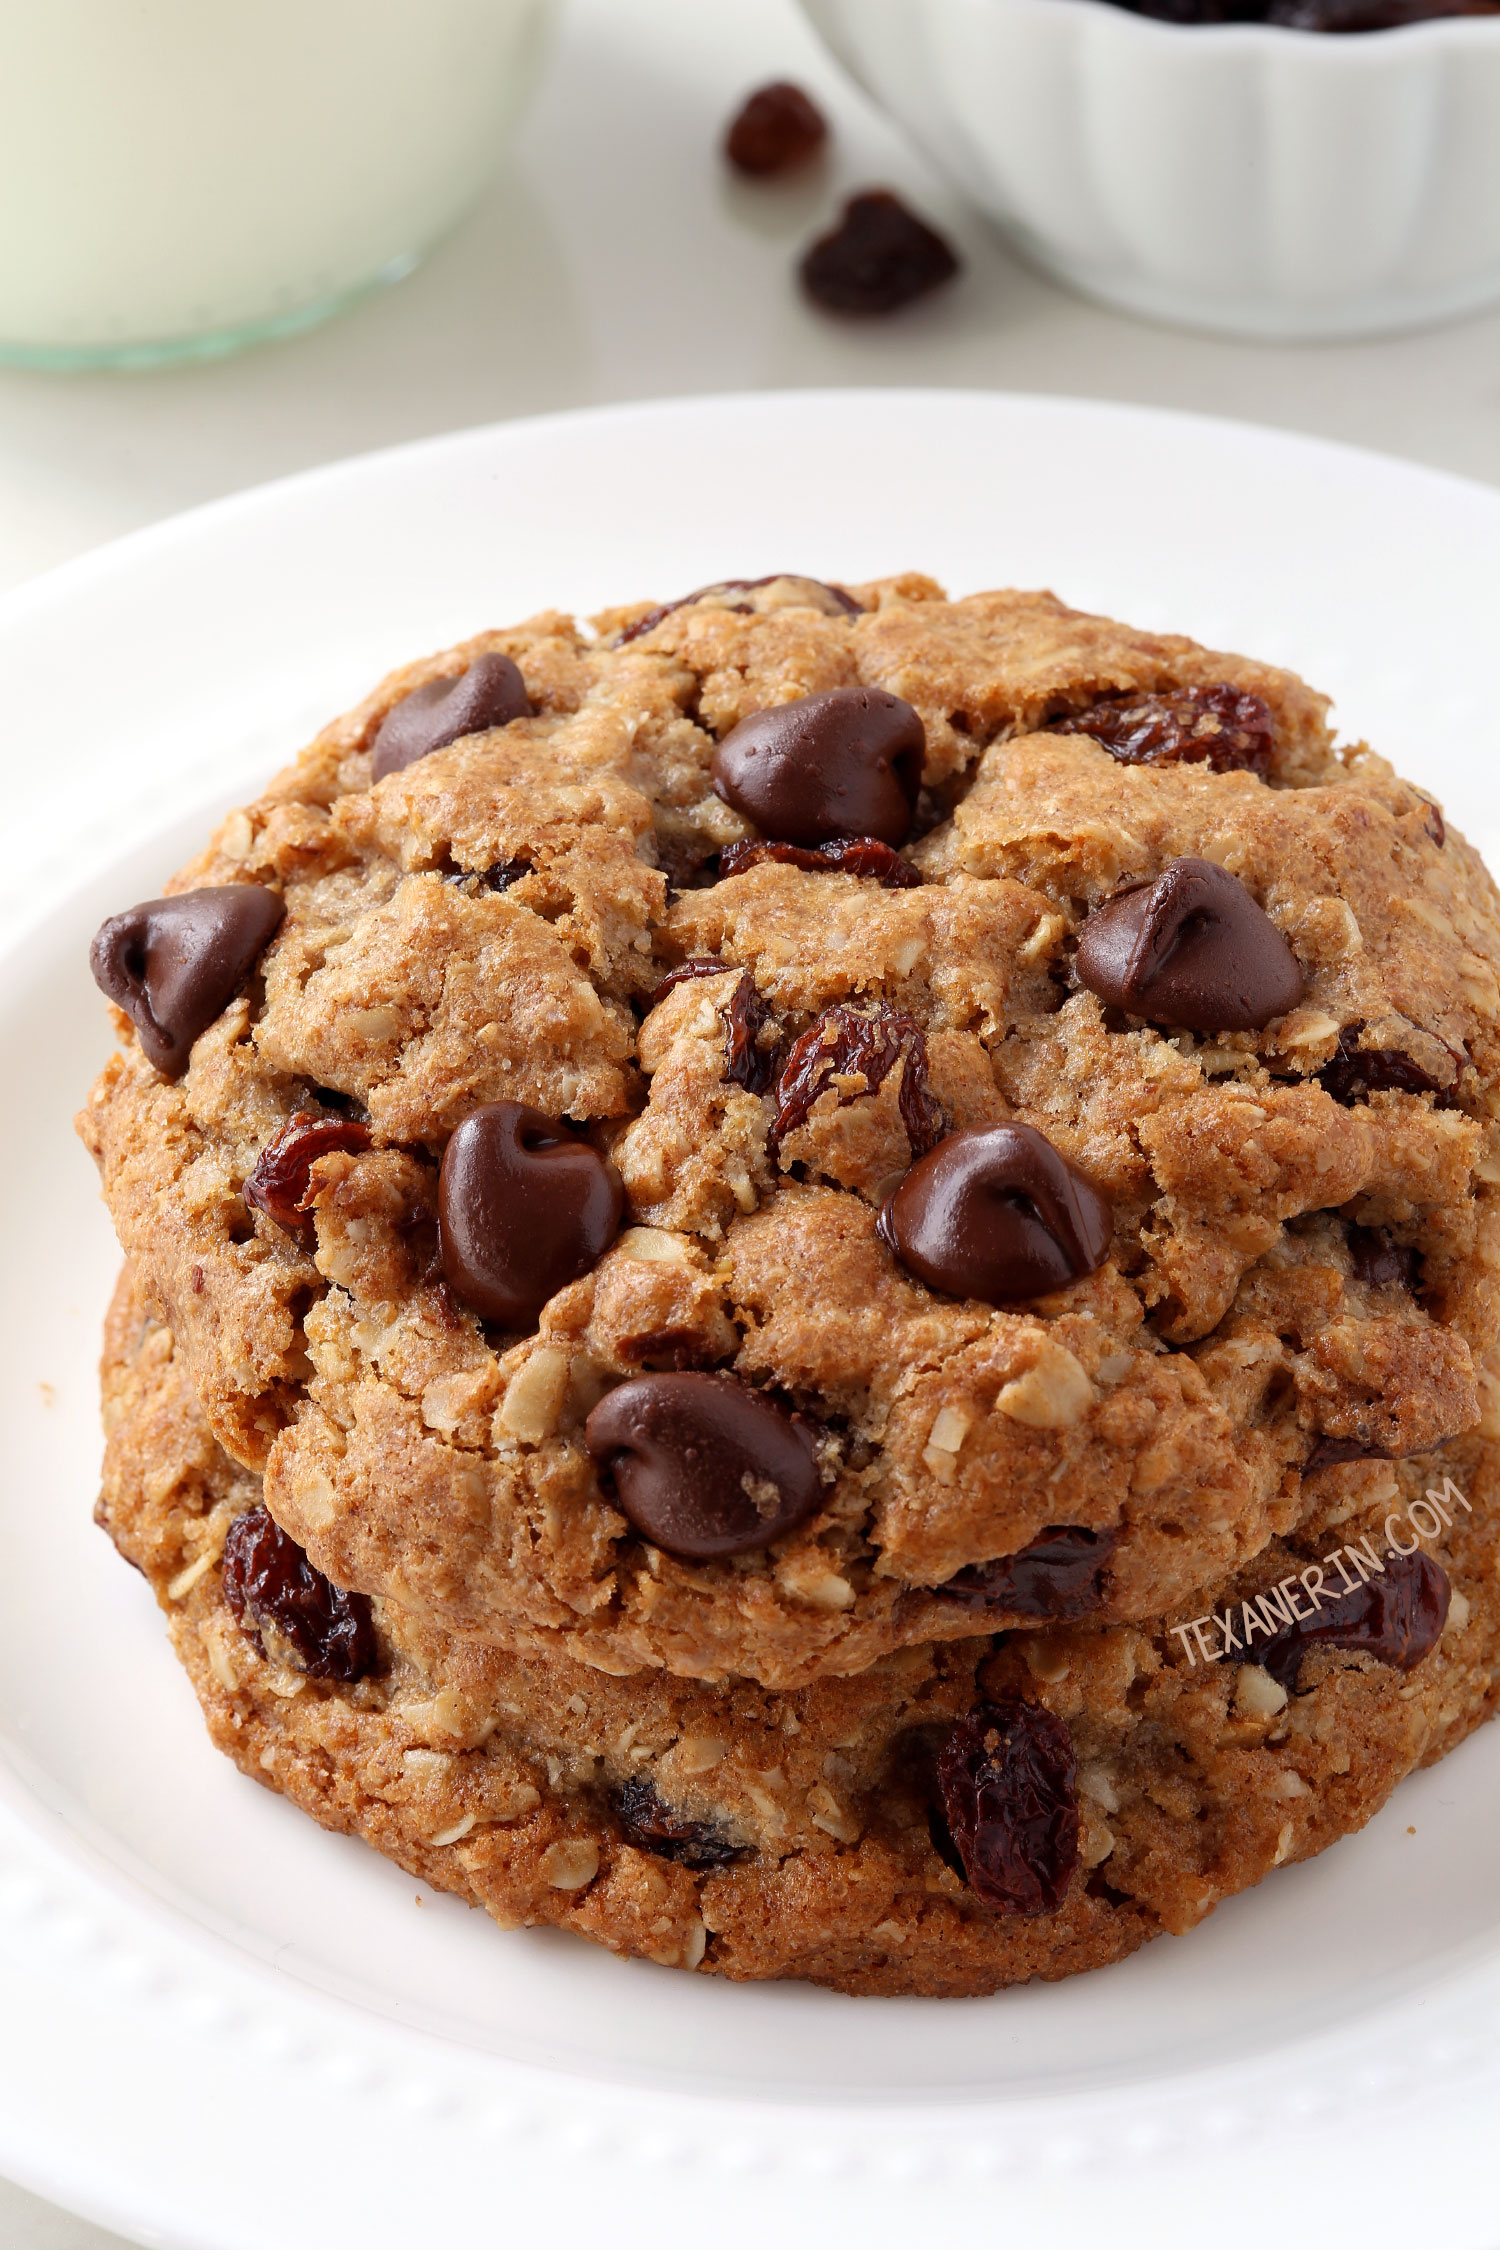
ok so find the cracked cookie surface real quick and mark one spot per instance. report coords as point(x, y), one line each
point(503, 921)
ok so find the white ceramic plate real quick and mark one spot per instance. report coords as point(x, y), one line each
point(221, 2029)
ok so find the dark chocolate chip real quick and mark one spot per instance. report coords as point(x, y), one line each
point(847, 1043)
point(174, 964)
point(1357, 1071)
point(847, 763)
point(847, 855)
point(524, 1207)
point(1380, 1263)
point(1396, 1617)
point(1222, 727)
point(281, 1183)
point(879, 257)
point(778, 129)
point(832, 600)
point(653, 1826)
point(1062, 1574)
point(1191, 950)
point(997, 1213)
point(1005, 1780)
point(271, 1586)
point(489, 694)
point(702, 1465)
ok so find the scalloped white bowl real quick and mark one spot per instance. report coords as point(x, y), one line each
point(1242, 178)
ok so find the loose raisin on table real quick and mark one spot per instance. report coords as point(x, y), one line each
point(281, 1183)
point(653, 1826)
point(1005, 1780)
point(269, 1584)
point(1222, 727)
point(864, 856)
point(777, 129)
point(1060, 1575)
point(878, 258)
point(844, 1042)
point(1396, 1618)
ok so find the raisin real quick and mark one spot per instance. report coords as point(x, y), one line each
point(844, 1041)
point(1230, 731)
point(778, 129)
point(864, 856)
point(1309, 15)
point(1380, 1263)
point(1395, 1618)
point(1435, 825)
point(1005, 1781)
point(744, 1016)
point(652, 1826)
point(474, 882)
point(684, 973)
point(1356, 1071)
point(281, 1183)
point(270, 1585)
point(879, 257)
point(1061, 1574)
point(838, 602)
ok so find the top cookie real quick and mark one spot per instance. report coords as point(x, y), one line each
point(1060, 1163)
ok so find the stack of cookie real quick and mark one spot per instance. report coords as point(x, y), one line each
point(814, 1280)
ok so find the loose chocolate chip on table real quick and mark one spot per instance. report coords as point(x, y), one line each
point(1190, 950)
point(1356, 1071)
point(524, 1207)
point(879, 257)
point(832, 600)
point(1060, 1575)
point(174, 964)
point(654, 1827)
point(844, 1042)
point(1380, 1263)
point(281, 1182)
point(778, 129)
point(1396, 1618)
point(1222, 727)
point(1005, 1780)
point(702, 1465)
point(489, 694)
point(997, 1213)
point(847, 855)
point(845, 763)
point(270, 1584)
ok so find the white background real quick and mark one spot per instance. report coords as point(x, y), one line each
point(613, 259)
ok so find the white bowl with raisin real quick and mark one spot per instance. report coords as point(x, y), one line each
point(1256, 178)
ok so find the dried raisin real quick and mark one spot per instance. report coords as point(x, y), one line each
point(1395, 1618)
point(864, 856)
point(1356, 1071)
point(845, 1042)
point(744, 1016)
point(1062, 1574)
point(653, 1826)
point(1223, 727)
point(271, 1586)
point(1380, 1263)
point(778, 129)
point(879, 257)
point(1005, 1780)
point(281, 1182)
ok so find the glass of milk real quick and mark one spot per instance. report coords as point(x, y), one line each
point(179, 177)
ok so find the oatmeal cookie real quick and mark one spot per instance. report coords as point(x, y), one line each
point(811, 1121)
point(959, 1818)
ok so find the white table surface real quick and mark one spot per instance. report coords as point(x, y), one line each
point(614, 259)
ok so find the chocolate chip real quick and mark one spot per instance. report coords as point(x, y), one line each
point(847, 763)
point(848, 1043)
point(281, 1183)
point(702, 1465)
point(653, 1826)
point(1005, 1780)
point(846, 855)
point(489, 694)
point(1380, 1263)
point(1222, 727)
point(997, 1213)
point(778, 129)
point(174, 964)
point(1062, 1574)
point(879, 257)
point(1396, 1618)
point(1357, 1071)
point(832, 600)
point(524, 1207)
point(271, 1586)
point(1192, 950)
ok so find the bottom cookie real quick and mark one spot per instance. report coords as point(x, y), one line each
point(956, 1819)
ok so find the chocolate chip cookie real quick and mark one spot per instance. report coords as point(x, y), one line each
point(807, 1121)
point(960, 1817)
